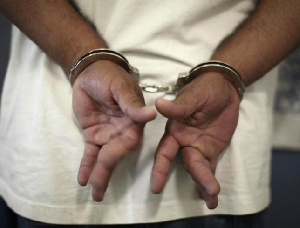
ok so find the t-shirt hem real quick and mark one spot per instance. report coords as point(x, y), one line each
point(135, 214)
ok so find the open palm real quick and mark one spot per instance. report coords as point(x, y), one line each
point(110, 109)
point(202, 120)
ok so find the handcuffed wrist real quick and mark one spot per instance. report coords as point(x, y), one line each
point(223, 68)
point(101, 54)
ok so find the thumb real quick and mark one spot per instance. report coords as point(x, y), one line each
point(183, 106)
point(132, 104)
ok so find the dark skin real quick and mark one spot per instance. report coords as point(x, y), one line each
point(110, 107)
point(107, 120)
point(200, 128)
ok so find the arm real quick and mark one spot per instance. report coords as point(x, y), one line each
point(202, 127)
point(266, 38)
point(107, 102)
point(55, 27)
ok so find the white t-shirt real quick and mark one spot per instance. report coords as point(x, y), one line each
point(41, 145)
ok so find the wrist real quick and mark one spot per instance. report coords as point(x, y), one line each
point(100, 54)
point(222, 68)
point(77, 50)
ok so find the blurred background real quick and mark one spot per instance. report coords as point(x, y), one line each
point(283, 211)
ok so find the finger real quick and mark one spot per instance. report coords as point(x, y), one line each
point(140, 114)
point(87, 163)
point(132, 103)
point(200, 170)
point(211, 201)
point(180, 108)
point(107, 160)
point(165, 153)
point(187, 108)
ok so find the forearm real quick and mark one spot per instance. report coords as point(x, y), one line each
point(55, 27)
point(265, 38)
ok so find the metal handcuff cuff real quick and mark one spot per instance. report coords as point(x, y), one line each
point(183, 78)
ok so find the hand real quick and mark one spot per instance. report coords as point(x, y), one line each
point(202, 120)
point(110, 109)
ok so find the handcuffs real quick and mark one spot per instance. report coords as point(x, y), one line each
point(183, 78)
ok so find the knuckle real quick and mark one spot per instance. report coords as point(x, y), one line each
point(134, 99)
point(87, 161)
point(106, 164)
point(159, 172)
point(163, 156)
